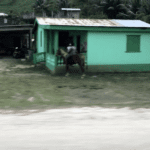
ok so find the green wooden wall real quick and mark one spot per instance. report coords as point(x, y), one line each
point(110, 48)
point(53, 40)
point(40, 40)
point(106, 47)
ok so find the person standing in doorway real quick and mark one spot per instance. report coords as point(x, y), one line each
point(71, 50)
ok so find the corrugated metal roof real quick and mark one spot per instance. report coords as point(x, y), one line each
point(92, 22)
point(3, 14)
point(71, 9)
point(132, 23)
point(76, 22)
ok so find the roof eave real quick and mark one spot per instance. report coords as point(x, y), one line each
point(95, 26)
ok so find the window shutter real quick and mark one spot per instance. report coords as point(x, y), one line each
point(133, 43)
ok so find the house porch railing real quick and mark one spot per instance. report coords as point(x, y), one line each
point(60, 59)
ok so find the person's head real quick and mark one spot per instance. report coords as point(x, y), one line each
point(70, 44)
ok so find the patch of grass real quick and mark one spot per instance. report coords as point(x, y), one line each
point(36, 88)
point(119, 92)
point(15, 92)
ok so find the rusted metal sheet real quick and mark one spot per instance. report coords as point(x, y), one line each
point(3, 14)
point(91, 22)
point(76, 22)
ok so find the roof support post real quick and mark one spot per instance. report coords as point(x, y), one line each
point(75, 40)
point(30, 39)
point(56, 44)
point(50, 42)
point(45, 40)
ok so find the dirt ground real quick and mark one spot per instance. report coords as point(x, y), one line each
point(40, 111)
point(24, 86)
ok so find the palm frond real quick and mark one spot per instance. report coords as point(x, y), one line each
point(122, 15)
point(110, 8)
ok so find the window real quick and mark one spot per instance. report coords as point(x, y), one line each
point(41, 38)
point(133, 43)
point(5, 20)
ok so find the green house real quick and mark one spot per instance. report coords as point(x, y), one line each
point(109, 45)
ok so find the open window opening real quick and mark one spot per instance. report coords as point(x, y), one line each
point(64, 39)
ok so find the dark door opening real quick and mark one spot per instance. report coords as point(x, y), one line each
point(17, 42)
point(63, 38)
point(78, 43)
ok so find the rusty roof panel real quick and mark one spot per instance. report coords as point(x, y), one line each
point(90, 22)
point(3, 14)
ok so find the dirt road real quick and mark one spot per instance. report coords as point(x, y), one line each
point(77, 129)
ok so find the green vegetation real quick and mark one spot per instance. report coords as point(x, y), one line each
point(35, 88)
point(18, 6)
point(97, 9)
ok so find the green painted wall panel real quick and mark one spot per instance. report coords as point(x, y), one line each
point(108, 48)
point(40, 48)
point(50, 42)
point(50, 61)
point(56, 44)
point(119, 68)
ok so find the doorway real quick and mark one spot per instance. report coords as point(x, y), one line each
point(78, 43)
point(17, 42)
point(63, 38)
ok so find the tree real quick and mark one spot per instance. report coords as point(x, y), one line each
point(15, 16)
point(145, 7)
point(116, 9)
point(41, 5)
point(97, 10)
point(64, 4)
point(53, 7)
point(144, 11)
point(133, 6)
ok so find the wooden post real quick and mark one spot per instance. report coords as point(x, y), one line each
point(45, 41)
point(56, 45)
point(30, 39)
point(21, 41)
point(75, 40)
point(50, 41)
